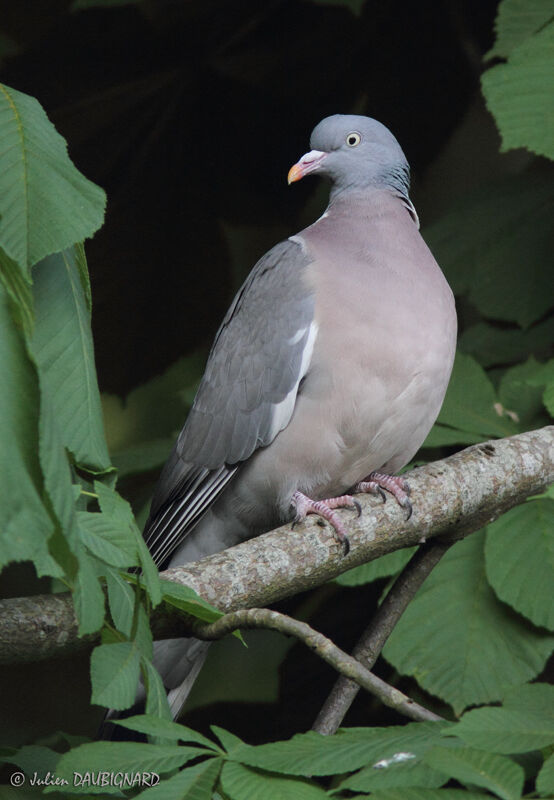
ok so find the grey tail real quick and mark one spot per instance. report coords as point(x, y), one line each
point(178, 661)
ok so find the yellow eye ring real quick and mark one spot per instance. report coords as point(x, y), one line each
point(353, 139)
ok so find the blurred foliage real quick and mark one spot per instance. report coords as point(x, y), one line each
point(520, 92)
point(188, 113)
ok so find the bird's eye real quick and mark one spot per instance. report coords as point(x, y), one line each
point(353, 139)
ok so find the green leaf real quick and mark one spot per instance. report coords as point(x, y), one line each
point(243, 783)
point(545, 778)
point(95, 532)
point(545, 377)
point(535, 697)
point(73, 740)
point(505, 730)
point(516, 21)
point(496, 773)
point(520, 94)
point(120, 516)
point(483, 241)
point(389, 564)
point(441, 436)
point(88, 597)
point(35, 758)
point(45, 203)
point(63, 348)
point(121, 600)
point(349, 749)
point(82, 269)
point(154, 411)
point(519, 557)
point(153, 726)
point(458, 641)
point(186, 599)
point(541, 374)
point(126, 758)
point(403, 769)
point(18, 287)
point(548, 398)
point(25, 525)
point(143, 456)
point(143, 634)
point(59, 548)
point(428, 794)
point(470, 401)
point(109, 538)
point(156, 697)
point(114, 672)
point(150, 578)
point(229, 741)
point(192, 783)
point(57, 473)
point(518, 394)
point(491, 345)
point(25, 537)
point(114, 506)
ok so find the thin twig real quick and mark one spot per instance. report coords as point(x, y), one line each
point(323, 647)
point(378, 631)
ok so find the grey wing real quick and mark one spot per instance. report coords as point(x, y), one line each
point(247, 395)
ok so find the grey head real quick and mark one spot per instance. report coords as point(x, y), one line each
point(355, 152)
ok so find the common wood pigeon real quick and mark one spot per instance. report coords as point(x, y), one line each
point(324, 378)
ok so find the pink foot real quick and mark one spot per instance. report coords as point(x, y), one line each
point(325, 508)
point(395, 484)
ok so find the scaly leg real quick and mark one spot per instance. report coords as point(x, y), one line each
point(325, 508)
point(395, 484)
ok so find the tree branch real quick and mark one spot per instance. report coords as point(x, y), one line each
point(323, 647)
point(462, 493)
point(378, 631)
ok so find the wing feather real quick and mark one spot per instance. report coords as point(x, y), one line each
point(259, 356)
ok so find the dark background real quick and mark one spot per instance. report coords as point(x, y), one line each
point(189, 115)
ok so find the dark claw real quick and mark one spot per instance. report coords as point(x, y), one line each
point(408, 506)
point(346, 546)
point(358, 508)
point(383, 495)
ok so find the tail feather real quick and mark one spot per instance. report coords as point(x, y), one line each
point(178, 661)
point(177, 697)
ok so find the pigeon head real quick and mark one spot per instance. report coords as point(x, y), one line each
point(354, 152)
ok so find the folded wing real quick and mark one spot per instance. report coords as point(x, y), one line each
point(247, 395)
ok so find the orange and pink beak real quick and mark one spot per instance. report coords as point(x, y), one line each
point(309, 162)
